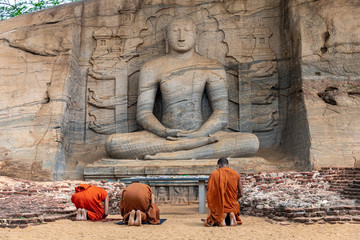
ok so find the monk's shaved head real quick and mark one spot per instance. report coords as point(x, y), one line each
point(222, 162)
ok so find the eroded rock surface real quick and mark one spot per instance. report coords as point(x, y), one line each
point(69, 77)
point(325, 89)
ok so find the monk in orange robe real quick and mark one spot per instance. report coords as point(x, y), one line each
point(137, 205)
point(88, 201)
point(223, 191)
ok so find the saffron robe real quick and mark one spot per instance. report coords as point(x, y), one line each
point(137, 196)
point(90, 197)
point(221, 195)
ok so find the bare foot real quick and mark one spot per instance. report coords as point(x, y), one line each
point(223, 223)
point(84, 214)
point(232, 219)
point(132, 218)
point(138, 218)
point(78, 215)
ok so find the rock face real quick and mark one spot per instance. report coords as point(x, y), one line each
point(69, 77)
point(323, 89)
point(39, 70)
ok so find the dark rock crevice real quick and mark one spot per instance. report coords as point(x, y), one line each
point(328, 95)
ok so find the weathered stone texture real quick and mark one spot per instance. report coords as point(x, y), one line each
point(69, 77)
point(328, 35)
point(38, 65)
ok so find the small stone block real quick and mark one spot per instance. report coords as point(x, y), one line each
point(354, 212)
point(301, 219)
point(49, 219)
point(12, 225)
point(23, 225)
point(331, 218)
point(316, 219)
point(345, 218)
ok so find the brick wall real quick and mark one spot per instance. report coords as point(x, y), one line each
point(24, 203)
point(328, 195)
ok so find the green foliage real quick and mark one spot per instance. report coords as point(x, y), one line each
point(13, 8)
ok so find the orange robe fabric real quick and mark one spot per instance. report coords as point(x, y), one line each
point(221, 195)
point(90, 197)
point(137, 196)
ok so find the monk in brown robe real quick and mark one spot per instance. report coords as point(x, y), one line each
point(223, 191)
point(137, 205)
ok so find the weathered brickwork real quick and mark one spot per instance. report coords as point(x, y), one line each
point(328, 195)
point(24, 203)
point(344, 180)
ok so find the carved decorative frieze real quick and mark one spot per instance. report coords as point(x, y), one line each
point(169, 193)
point(162, 194)
point(108, 74)
point(107, 85)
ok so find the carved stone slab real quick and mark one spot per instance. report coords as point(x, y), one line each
point(115, 169)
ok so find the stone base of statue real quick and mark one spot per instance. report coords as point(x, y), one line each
point(116, 169)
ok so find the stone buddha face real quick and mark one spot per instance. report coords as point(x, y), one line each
point(181, 35)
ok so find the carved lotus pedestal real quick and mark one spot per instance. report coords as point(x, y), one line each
point(177, 192)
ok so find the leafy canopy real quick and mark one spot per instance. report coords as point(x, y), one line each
point(13, 8)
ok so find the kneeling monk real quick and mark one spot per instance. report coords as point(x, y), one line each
point(87, 199)
point(137, 205)
point(223, 191)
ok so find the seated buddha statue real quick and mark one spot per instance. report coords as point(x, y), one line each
point(182, 76)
